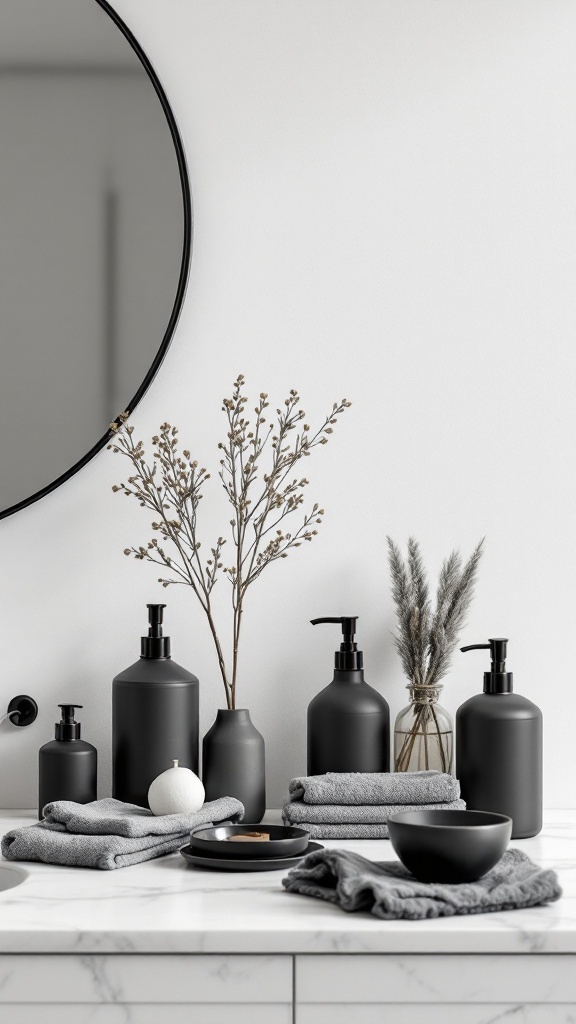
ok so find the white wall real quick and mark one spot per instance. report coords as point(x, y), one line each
point(384, 195)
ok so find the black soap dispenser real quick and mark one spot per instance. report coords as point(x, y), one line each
point(499, 748)
point(67, 764)
point(154, 716)
point(348, 721)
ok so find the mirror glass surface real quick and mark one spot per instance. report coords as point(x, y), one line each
point(92, 235)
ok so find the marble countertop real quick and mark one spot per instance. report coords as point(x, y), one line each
point(165, 906)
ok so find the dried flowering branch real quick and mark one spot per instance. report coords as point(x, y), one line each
point(262, 497)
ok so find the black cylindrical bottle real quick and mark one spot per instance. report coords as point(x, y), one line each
point(499, 748)
point(154, 717)
point(348, 721)
point(67, 766)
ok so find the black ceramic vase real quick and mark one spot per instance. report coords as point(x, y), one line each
point(233, 762)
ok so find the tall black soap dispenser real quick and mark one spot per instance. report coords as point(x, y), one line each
point(67, 765)
point(348, 721)
point(154, 716)
point(499, 748)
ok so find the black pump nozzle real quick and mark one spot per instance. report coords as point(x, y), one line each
point(67, 728)
point(348, 658)
point(68, 711)
point(155, 618)
point(498, 680)
point(155, 645)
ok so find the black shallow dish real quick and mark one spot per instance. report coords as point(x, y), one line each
point(214, 863)
point(285, 841)
point(449, 846)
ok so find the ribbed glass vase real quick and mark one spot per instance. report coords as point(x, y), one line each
point(423, 733)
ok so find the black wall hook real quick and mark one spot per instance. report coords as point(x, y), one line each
point(23, 710)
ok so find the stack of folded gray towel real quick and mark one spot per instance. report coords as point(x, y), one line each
point(109, 833)
point(357, 805)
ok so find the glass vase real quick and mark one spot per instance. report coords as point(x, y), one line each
point(423, 734)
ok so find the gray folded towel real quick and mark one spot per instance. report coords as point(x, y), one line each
point(113, 817)
point(389, 891)
point(375, 788)
point(342, 821)
point(110, 834)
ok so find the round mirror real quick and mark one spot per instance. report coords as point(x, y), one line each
point(95, 235)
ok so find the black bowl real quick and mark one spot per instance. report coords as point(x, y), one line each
point(285, 841)
point(449, 846)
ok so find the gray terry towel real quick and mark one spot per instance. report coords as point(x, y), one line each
point(389, 891)
point(333, 821)
point(115, 834)
point(375, 788)
point(114, 817)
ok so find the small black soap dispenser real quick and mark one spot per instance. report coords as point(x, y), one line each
point(154, 716)
point(67, 765)
point(348, 721)
point(499, 748)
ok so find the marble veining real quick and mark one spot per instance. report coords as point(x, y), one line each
point(519, 1013)
point(165, 906)
point(445, 978)
point(146, 979)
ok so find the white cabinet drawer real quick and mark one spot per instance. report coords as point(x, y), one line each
point(145, 979)
point(438, 1013)
point(126, 1013)
point(436, 979)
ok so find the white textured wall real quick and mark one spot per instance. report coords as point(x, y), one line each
point(385, 197)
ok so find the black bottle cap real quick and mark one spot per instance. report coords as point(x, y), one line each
point(348, 658)
point(497, 680)
point(67, 728)
point(155, 645)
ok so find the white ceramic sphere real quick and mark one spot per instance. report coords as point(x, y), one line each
point(176, 791)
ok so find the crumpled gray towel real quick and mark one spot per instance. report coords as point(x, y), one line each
point(389, 891)
point(405, 788)
point(334, 821)
point(110, 834)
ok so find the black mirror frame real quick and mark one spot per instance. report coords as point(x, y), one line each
point(184, 265)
